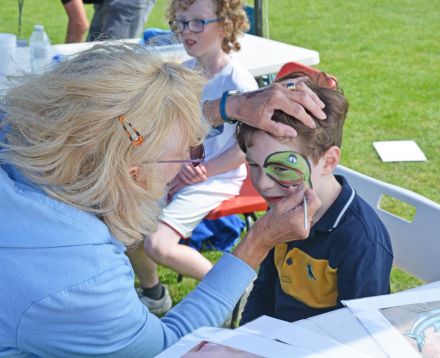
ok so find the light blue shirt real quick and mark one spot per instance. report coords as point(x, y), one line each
point(67, 287)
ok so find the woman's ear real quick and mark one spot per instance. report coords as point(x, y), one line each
point(134, 172)
point(331, 159)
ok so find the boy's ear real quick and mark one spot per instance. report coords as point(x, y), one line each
point(331, 159)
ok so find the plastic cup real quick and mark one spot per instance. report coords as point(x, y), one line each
point(8, 45)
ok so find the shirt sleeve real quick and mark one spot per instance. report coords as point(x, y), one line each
point(261, 300)
point(365, 269)
point(103, 316)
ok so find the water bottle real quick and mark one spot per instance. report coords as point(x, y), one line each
point(39, 46)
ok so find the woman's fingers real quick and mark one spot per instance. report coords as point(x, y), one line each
point(285, 221)
point(301, 86)
point(256, 108)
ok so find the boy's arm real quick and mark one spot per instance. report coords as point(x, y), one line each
point(261, 300)
point(188, 175)
point(228, 160)
point(365, 271)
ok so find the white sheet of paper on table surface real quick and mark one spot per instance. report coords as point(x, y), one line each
point(240, 340)
point(390, 339)
point(399, 151)
point(343, 326)
point(298, 336)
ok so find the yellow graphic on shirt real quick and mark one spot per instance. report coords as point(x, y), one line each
point(305, 278)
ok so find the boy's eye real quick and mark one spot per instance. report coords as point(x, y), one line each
point(252, 165)
point(279, 169)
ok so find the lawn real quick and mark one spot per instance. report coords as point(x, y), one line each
point(386, 55)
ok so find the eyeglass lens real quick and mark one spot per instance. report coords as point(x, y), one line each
point(193, 25)
point(197, 154)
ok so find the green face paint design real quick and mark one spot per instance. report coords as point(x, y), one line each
point(288, 168)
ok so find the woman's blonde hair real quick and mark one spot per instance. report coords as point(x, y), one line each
point(64, 133)
point(235, 20)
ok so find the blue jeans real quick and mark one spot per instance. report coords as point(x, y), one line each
point(119, 19)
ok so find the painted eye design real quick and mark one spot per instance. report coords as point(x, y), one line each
point(288, 168)
point(292, 159)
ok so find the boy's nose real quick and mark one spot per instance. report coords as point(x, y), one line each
point(263, 181)
point(186, 29)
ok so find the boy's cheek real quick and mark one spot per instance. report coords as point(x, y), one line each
point(255, 179)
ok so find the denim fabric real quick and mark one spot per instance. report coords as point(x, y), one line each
point(119, 19)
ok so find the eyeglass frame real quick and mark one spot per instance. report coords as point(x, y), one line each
point(194, 162)
point(186, 24)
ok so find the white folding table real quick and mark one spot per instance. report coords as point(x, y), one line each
point(259, 55)
point(343, 326)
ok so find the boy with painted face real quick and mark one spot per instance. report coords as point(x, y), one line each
point(348, 252)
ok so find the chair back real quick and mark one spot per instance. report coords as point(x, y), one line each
point(416, 242)
point(248, 201)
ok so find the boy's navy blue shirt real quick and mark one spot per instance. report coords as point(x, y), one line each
point(347, 255)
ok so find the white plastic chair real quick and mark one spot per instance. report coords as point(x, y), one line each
point(416, 244)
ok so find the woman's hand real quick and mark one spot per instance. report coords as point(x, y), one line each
point(283, 223)
point(256, 108)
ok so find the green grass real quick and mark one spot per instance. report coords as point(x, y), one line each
point(386, 55)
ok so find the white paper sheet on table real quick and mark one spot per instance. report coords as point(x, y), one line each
point(370, 313)
point(298, 336)
point(399, 151)
point(240, 340)
point(343, 326)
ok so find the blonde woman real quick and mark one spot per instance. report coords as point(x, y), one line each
point(85, 151)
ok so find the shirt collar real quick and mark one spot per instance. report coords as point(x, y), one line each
point(333, 216)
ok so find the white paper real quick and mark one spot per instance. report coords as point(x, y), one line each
point(376, 313)
point(239, 340)
point(295, 335)
point(343, 326)
point(399, 151)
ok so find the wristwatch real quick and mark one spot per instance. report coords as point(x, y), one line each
point(223, 114)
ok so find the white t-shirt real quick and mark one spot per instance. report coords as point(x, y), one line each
point(232, 77)
point(193, 202)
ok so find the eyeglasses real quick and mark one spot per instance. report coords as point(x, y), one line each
point(197, 155)
point(196, 25)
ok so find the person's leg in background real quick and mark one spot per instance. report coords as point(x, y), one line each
point(164, 248)
point(78, 24)
point(151, 292)
point(120, 19)
point(179, 218)
point(100, 14)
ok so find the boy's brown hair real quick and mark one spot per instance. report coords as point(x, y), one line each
point(328, 132)
point(235, 20)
